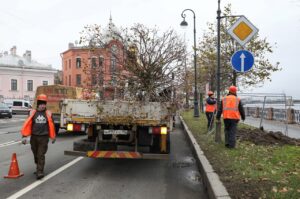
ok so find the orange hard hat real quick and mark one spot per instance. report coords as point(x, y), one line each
point(233, 89)
point(210, 93)
point(42, 97)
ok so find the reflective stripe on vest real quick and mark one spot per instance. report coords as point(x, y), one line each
point(52, 134)
point(231, 107)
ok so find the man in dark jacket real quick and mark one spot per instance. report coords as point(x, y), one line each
point(232, 110)
point(210, 108)
point(39, 125)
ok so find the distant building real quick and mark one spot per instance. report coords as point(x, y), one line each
point(20, 76)
point(58, 77)
point(96, 68)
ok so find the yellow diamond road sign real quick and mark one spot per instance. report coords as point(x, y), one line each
point(242, 30)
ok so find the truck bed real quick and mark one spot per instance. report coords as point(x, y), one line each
point(116, 112)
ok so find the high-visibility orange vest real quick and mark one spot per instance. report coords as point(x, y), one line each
point(210, 107)
point(27, 126)
point(231, 107)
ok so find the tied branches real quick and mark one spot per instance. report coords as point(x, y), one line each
point(151, 61)
point(140, 63)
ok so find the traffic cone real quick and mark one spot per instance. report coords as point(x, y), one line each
point(14, 171)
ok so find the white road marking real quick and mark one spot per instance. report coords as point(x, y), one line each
point(4, 121)
point(37, 183)
point(9, 143)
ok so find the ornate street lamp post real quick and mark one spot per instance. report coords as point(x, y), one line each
point(184, 24)
point(218, 123)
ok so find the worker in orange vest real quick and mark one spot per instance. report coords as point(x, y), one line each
point(210, 108)
point(39, 125)
point(232, 110)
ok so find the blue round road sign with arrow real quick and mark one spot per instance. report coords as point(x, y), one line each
point(242, 61)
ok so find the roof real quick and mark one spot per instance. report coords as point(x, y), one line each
point(111, 32)
point(20, 62)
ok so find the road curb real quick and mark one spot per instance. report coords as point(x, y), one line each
point(211, 180)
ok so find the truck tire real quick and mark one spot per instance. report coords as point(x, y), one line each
point(56, 128)
point(155, 148)
point(168, 144)
point(83, 145)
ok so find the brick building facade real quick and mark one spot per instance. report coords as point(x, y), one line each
point(96, 69)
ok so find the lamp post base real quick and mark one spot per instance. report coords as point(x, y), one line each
point(196, 109)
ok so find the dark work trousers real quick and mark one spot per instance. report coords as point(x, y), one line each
point(210, 119)
point(39, 147)
point(230, 132)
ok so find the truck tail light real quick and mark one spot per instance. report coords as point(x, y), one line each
point(155, 130)
point(75, 127)
point(82, 127)
point(158, 130)
point(70, 127)
point(163, 130)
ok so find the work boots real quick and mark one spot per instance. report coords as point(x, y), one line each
point(39, 175)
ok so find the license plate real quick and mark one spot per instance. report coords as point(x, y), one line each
point(115, 132)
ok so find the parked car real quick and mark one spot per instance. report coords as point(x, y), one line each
point(5, 111)
point(18, 106)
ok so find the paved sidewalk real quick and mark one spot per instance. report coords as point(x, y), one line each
point(293, 130)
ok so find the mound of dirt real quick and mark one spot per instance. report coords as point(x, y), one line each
point(260, 137)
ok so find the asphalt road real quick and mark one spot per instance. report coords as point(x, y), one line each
point(73, 177)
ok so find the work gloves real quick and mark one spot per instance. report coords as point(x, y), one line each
point(53, 140)
point(24, 140)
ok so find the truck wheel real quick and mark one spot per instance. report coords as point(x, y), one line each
point(56, 128)
point(155, 148)
point(83, 145)
point(168, 144)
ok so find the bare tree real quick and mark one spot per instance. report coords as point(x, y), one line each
point(152, 60)
point(147, 60)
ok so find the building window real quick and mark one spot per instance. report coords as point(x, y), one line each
point(94, 62)
point(101, 61)
point(17, 103)
point(66, 65)
point(29, 85)
point(66, 81)
point(113, 80)
point(45, 83)
point(113, 64)
point(69, 80)
point(69, 63)
point(94, 80)
point(14, 85)
point(78, 62)
point(78, 80)
point(114, 49)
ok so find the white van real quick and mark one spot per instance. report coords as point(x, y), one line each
point(18, 106)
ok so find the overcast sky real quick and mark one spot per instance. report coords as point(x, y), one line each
point(47, 26)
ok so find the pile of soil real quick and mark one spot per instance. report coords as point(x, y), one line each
point(260, 137)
